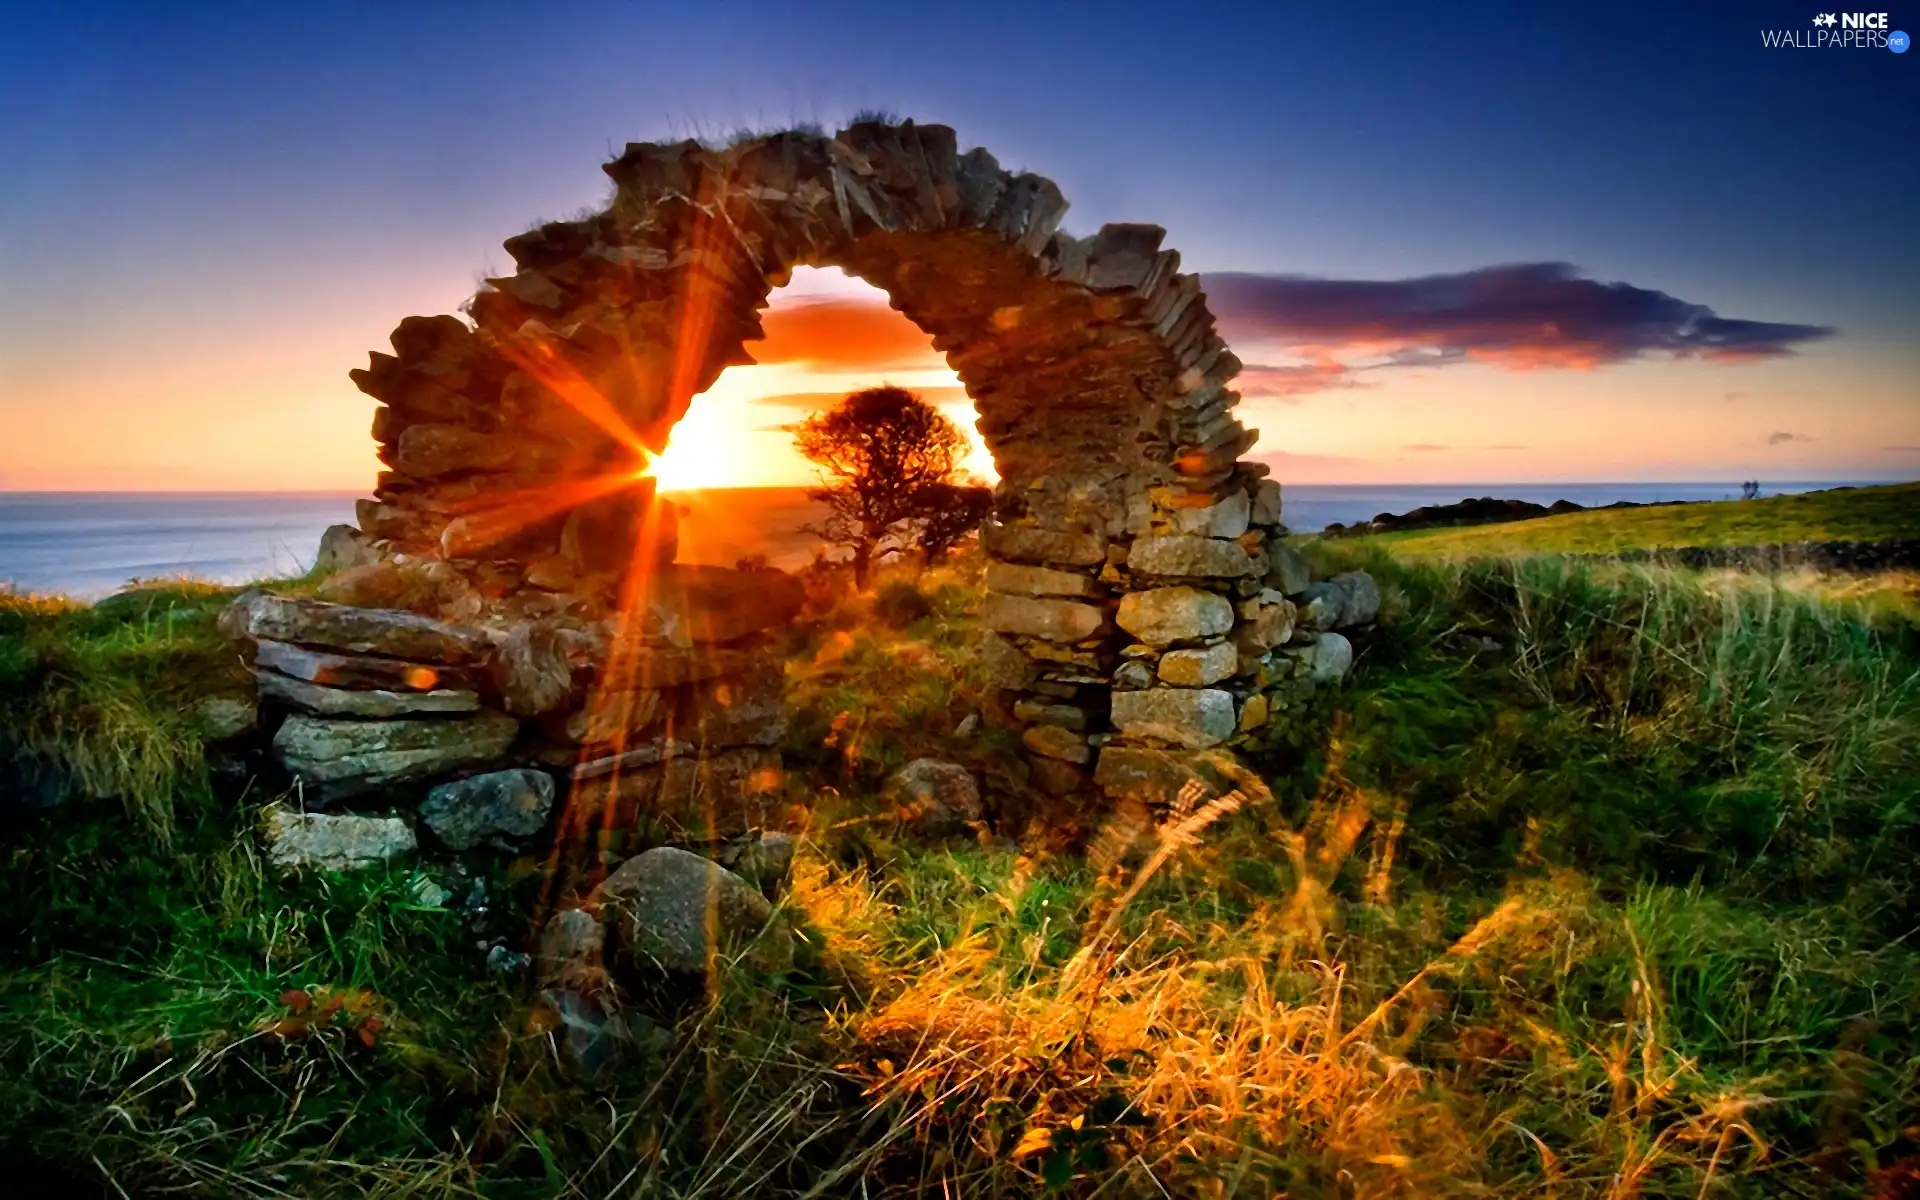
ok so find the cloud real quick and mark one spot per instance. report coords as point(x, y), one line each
point(1782, 437)
point(813, 401)
point(1291, 383)
point(838, 332)
point(1900, 448)
point(1423, 448)
point(1528, 316)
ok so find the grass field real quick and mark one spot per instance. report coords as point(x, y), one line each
point(1590, 882)
point(1853, 515)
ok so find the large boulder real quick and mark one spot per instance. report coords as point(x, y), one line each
point(497, 807)
point(934, 798)
point(677, 910)
point(1162, 616)
point(335, 758)
point(341, 702)
point(389, 632)
point(1192, 717)
point(297, 840)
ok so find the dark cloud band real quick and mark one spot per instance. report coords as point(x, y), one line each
point(1519, 317)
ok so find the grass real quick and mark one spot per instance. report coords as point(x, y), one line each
point(1868, 514)
point(1594, 881)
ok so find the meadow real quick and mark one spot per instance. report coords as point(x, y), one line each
point(1593, 880)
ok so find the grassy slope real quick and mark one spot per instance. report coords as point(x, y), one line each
point(1855, 515)
point(1618, 903)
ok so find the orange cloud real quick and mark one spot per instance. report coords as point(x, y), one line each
point(836, 333)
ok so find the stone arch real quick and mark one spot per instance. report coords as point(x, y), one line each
point(1129, 542)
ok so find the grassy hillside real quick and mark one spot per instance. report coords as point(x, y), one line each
point(1852, 515)
point(1587, 884)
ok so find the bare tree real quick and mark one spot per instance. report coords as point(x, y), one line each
point(883, 450)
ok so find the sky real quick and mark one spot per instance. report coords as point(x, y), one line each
point(1605, 242)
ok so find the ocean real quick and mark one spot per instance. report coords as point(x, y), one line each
point(90, 544)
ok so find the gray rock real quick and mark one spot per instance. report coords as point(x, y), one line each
point(571, 952)
point(1266, 621)
point(1175, 555)
point(646, 754)
point(1361, 596)
point(1321, 606)
point(614, 717)
point(709, 604)
point(332, 669)
point(342, 547)
point(1051, 620)
point(340, 702)
point(336, 758)
point(1287, 570)
point(297, 840)
point(1198, 668)
point(1332, 657)
point(224, 718)
point(1004, 664)
point(1067, 716)
point(746, 710)
point(1029, 544)
point(935, 798)
point(1226, 518)
point(1190, 717)
point(1132, 676)
point(385, 631)
point(1055, 741)
point(670, 903)
point(1165, 615)
point(531, 670)
point(1266, 504)
point(764, 860)
point(500, 806)
point(1019, 580)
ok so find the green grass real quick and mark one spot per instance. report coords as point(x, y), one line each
point(1868, 514)
point(1592, 882)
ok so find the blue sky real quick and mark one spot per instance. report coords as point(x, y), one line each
point(210, 212)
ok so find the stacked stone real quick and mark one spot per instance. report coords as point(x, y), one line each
point(664, 717)
point(516, 445)
point(684, 708)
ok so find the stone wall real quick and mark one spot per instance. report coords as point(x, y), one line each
point(663, 715)
point(1138, 587)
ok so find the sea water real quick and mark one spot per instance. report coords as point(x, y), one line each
point(89, 544)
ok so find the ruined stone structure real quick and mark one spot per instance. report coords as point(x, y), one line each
point(1139, 592)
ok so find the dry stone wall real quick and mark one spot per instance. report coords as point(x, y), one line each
point(1139, 590)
